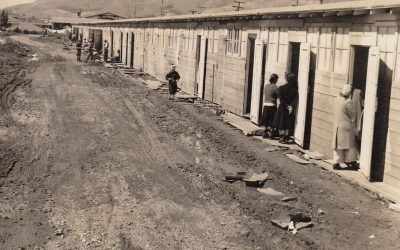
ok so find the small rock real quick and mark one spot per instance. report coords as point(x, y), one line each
point(269, 191)
point(372, 236)
point(287, 199)
point(320, 211)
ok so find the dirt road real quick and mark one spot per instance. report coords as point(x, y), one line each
point(105, 163)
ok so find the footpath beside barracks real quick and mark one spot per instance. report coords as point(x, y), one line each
point(226, 59)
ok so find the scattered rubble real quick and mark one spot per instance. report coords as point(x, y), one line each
point(270, 191)
point(395, 207)
point(297, 159)
point(287, 199)
point(256, 180)
point(292, 222)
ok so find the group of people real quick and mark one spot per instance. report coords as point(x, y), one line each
point(279, 106)
point(90, 48)
point(279, 116)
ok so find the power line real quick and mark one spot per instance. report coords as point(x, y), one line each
point(237, 6)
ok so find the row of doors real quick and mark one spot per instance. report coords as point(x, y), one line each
point(299, 64)
point(123, 47)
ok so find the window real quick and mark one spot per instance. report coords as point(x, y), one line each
point(325, 49)
point(273, 40)
point(283, 45)
point(215, 31)
point(233, 42)
point(341, 50)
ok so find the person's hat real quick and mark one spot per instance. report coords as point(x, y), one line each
point(346, 90)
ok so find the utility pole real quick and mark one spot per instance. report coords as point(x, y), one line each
point(237, 6)
point(162, 8)
point(134, 8)
point(201, 9)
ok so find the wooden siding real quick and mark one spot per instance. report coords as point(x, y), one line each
point(331, 44)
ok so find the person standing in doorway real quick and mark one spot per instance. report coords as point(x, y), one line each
point(269, 106)
point(90, 50)
point(78, 50)
point(106, 46)
point(344, 137)
point(285, 115)
point(173, 78)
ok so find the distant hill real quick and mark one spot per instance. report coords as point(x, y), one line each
point(68, 8)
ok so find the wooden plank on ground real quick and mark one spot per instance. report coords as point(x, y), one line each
point(244, 125)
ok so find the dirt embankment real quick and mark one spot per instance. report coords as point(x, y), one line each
point(14, 68)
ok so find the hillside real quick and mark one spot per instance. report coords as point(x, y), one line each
point(46, 8)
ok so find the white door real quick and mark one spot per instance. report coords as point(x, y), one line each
point(369, 111)
point(303, 77)
point(257, 80)
point(202, 65)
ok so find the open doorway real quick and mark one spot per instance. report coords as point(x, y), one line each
point(294, 58)
point(198, 44)
point(294, 63)
point(251, 42)
point(121, 43)
point(112, 44)
point(126, 49)
point(360, 66)
point(359, 78)
point(132, 48)
point(98, 40)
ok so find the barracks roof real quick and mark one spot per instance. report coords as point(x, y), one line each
point(328, 9)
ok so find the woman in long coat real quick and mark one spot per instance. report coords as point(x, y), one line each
point(285, 115)
point(344, 135)
point(173, 78)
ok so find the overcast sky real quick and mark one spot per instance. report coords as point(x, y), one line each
point(8, 3)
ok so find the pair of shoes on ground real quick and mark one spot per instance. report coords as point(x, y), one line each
point(284, 139)
point(350, 165)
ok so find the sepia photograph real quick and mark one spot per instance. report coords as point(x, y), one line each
point(188, 124)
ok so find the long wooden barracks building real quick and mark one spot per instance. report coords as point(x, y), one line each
point(227, 58)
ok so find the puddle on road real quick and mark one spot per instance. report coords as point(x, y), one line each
point(195, 144)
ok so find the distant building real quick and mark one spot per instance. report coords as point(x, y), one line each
point(106, 15)
point(59, 23)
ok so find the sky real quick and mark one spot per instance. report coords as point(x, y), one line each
point(8, 3)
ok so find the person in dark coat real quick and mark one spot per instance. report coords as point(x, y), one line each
point(106, 46)
point(78, 50)
point(344, 134)
point(285, 114)
point(269, 106)
point(90, 50)
point(173, 78)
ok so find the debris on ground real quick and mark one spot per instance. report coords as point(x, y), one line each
point(297, 159)
point(320, 211)
point(287, 199)
point(293, 222)
point(256, 180)
point(35, 58)
point(270, 191)
point(272, 149)
point(282, 222)
point(232, 178)
point(395, 207)
point(315, 155)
